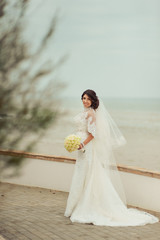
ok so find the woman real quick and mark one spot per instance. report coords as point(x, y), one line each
point(96, 194)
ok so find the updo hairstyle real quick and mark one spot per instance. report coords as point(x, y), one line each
point(94, 99)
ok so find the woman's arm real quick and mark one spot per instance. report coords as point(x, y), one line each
point(87, 140)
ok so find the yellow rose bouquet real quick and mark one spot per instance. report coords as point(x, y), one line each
point(72, 142)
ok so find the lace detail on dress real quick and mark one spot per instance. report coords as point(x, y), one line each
point(85, 123)
point(91, 127)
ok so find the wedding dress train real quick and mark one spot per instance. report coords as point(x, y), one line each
point(93, 197)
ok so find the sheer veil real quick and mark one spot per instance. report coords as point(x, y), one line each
point(108, 137)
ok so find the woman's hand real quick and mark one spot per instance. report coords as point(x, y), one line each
point(80, 146)
point(88, 139)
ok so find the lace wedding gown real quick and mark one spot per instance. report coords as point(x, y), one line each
point(92, 197)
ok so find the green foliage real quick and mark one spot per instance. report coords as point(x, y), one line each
point(28, 100)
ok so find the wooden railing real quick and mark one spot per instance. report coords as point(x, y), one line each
point(123, 168)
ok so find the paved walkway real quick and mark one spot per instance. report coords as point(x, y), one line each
point(30, 213)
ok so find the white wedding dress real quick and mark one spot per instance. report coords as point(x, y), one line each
point(92, 197)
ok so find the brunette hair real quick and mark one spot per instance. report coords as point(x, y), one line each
point(92, 95)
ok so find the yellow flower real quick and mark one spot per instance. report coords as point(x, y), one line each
point(72, 142)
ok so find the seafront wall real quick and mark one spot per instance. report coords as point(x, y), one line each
point(142, 186)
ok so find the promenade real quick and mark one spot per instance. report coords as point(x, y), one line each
point(31, 213)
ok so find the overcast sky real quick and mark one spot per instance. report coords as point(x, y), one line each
point(113, 46)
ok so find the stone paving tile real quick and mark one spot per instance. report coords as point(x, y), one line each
point(31, 213)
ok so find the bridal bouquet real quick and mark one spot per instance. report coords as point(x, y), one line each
point(72, 142)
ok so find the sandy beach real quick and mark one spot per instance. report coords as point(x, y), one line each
point(139, 128)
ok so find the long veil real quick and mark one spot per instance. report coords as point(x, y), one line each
point(108, 137)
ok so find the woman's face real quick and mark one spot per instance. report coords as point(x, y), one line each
point(86, 101)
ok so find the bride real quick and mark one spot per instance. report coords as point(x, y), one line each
point(96, 194)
